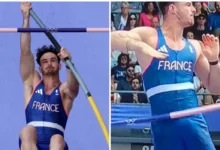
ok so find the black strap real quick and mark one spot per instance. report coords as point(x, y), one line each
point(214, 63)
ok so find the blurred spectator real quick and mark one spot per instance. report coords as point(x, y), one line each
point(189, 35)
point(214, 18)
point(201, 28)
point(112, 89)
point(149, 11)
point(125, 7)
point(118, 72)
point(131, 22)
point(206, 98)
point(135, 84)
point(112, 23)
point(133, 57)
point(199, 9)
point(137, 70)
point(155, 22)
point(217, 32)
point(124, 83)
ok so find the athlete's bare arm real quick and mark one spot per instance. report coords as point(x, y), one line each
point(142, 40)
point(208, 74)
point(70, 88)
point(29, 76)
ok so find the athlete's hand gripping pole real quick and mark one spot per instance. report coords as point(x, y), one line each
point(76, 74)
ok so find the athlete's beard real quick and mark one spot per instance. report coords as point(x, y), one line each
point(50, 72)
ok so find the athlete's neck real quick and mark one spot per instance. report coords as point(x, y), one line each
point(50, 82)
point(173, 30)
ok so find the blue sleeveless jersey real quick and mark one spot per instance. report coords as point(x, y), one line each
point(169, 82)
point(46, 113)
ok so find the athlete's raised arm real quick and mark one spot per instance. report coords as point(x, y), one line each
point(27, 71)
point(207, 66)
point(71, 86)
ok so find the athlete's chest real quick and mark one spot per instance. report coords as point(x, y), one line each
point(40, 101)
point(182, 60)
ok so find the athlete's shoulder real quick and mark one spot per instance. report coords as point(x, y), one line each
point(197, 45)
point(144, 30)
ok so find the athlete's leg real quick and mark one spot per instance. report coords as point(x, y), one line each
point(167, 136)
point(28, 138)
point(57, 142)
point(196, 135)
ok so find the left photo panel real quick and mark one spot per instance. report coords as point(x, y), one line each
point(55, 75)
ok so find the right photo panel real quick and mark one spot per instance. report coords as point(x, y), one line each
point(165, 72)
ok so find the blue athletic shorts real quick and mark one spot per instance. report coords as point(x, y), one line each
point(189, 133)
point(43, 146)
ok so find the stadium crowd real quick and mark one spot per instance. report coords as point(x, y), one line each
point(125, 70)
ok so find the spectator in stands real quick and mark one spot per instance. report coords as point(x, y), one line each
point(112, 89)
point(155, 22)
point(199, 9)
point(125, 8)
point(112, 23)
point(201, 27)
point(214, 18)
point(149, 11)
point(206, 99)
point(136, 86)
point(118, 72)
point(124, 84)
point(189, 34)
point(137, 70)
point(131, 22)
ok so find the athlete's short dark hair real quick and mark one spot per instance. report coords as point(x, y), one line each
point(163, 6)
point(45, 49)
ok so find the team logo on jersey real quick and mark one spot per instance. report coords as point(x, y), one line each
point(56, 92)
point(40, 91)
point(190, 49)
point(163, 49)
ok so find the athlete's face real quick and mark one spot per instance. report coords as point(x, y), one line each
point(49, 64)
point(184, 11)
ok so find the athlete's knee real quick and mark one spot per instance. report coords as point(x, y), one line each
point(28, 133)
point(57, 142)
